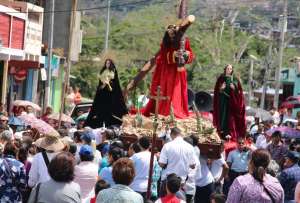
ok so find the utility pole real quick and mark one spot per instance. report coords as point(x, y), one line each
point(69, 62)
point(50, 46)
point(107, 25)
point(250, 80)
point(281, 48)
point(268, 62)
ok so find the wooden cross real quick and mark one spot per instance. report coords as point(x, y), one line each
point(157, 98)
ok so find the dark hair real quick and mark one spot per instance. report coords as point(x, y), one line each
point(173, 183)
point(10, 149)
point(112, 66)
point(167, 42)
point(219, 198)
point(136, 147)
point(195, 139)
point(72, 148)
point(85, 157)
point(123, 171)
point(276, 134)
point(260, 160)
point(188, 140)
point(100, 185)
point(117, 143)
point(116, 153)
point(144, 142)
point(175, 131)
point(22, 154)
point(61, 167)
point(110, 134)
point(77, 136)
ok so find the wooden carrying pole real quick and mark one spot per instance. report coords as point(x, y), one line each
point(157, 98)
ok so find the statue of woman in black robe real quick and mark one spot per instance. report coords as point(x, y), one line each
point(109, 105)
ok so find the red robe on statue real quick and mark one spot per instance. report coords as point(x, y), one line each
point(173, 83)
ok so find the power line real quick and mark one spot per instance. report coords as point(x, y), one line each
point(94, 8)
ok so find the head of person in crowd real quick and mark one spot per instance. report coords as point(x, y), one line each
point(22, 154)
point(276, 137)
point(29, 109)
point(289, 112)
point(73, 148)
point(77, 137)
point(144, 143)
point(50, 144)
point(259, 163)
point(49, 110)
point(188, 140)
point(100, 185)
point(86, 137)
point(3, 120)
point(10, 149)
point(123, 171)
point(61, 167)
point(5, 136)
point(114, 154)
point(173, 183)
point(256, 120)
point(80, 124)
point(134, 148)
point(3, 128)
point(260, 128)
point(21, 109)
point(86, 153)
point(117, 143)
point(108, 135)
point(195, 139)
point(241, 144)
point(291, 159)
point(217, 198)
point(175, 132)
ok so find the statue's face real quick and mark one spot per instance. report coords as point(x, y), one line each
point(228, 70)
point(171, 31)
point(107, 63)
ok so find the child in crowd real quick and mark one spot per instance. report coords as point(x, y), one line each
point(217, 198)
point(100, 185)
point(173, 186)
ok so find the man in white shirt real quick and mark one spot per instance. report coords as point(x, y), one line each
point(141, 161)
point(204, 182)
point(176, 157)
point(262, 141)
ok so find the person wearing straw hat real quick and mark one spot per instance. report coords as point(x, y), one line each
point(50, 146)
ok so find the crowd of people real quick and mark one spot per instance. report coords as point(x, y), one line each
point(94, 165)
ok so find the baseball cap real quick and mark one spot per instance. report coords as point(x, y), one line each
point(86, 150)
point(86, 136)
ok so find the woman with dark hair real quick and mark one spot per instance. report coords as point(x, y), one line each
point(229, 107)
point(257, 185)
point(60, 188)
point(109, 104)
point(114, 154)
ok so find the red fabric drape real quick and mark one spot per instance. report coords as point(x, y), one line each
point(237, 115)
point(173, 84)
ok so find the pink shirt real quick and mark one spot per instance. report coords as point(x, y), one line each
point(245, 189)
point(86, 176)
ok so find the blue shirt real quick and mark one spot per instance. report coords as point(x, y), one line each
point(288, 179)
point(106, 174)
point(119, 194)
point(239, 160)
point(12, 180)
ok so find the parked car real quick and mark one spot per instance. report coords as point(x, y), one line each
point(80, 109)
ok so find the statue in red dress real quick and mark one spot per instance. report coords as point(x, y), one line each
point(229, 106)
point(169, 75)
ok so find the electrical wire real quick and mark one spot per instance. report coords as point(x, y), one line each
point(94, 8)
